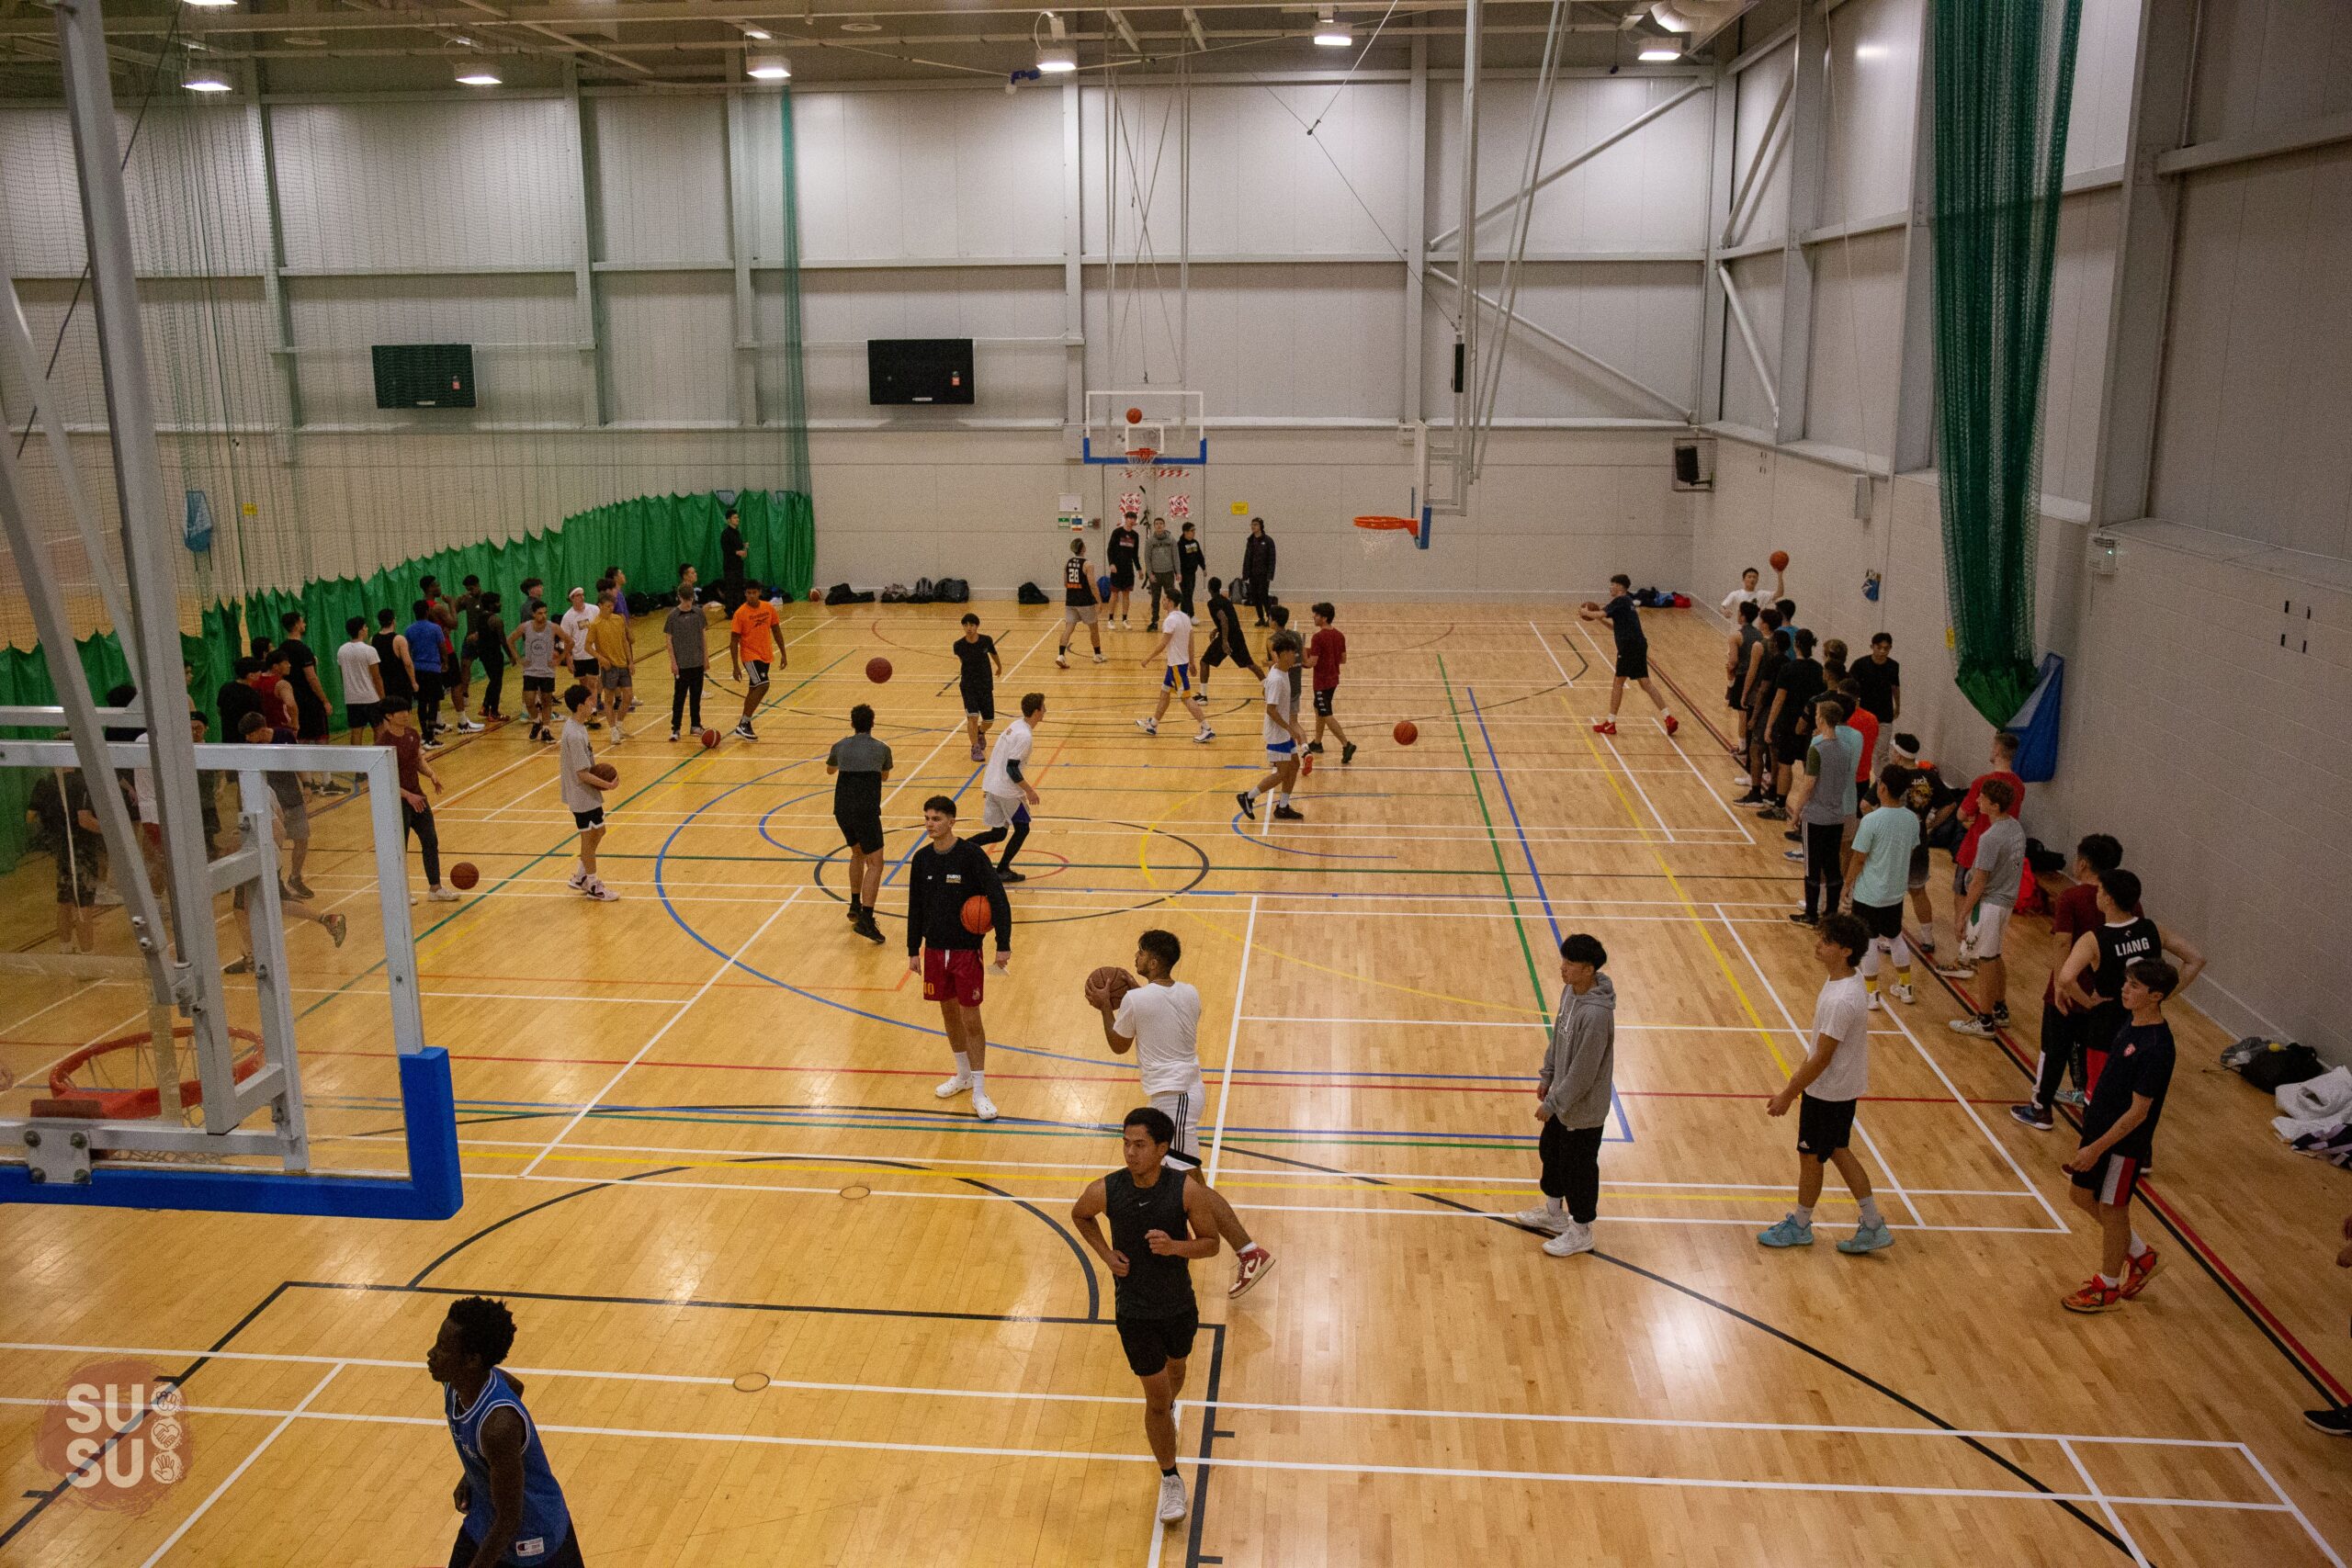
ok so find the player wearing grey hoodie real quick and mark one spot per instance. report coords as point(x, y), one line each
point(1572, 1097)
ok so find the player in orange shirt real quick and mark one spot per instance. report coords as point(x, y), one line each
point(752, 651)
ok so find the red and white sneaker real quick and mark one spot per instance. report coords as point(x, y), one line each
point(1254, 1262)
point(2138, 1271)
point(2096, 1295)
point(1604, 727)
point(1672, 724)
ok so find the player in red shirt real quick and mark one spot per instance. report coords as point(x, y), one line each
point(1325, 652)
point(2004, 759)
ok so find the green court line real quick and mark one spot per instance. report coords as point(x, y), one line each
point(1494, 843)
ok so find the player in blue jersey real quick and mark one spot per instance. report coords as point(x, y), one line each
point(514, 1511)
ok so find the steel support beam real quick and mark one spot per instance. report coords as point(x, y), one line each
point(581, 162)
point(2141, 301)
point(741, 238)
point(1915, 375)
point(1808, 145)
point(1417, 223)
point(1721, 153)
point(1747, 335)
point(1073, 258)
point(1580, 159)
point(1767, 148)
point(1556, 340)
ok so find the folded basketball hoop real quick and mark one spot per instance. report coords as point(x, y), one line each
point(117, 1077)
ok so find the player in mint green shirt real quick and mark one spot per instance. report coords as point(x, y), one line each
point(1878, 868)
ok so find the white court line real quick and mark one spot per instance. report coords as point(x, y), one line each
point(1886, 1167)
point(535, 754)
point(2113, 1519)
point(2281, 1492)
point(1232, 1040)
point(683, 1008)
point(1711, 792)
point(286, 1418)
point(1656, 814)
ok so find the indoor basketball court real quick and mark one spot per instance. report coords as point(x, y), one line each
point(315, 1031)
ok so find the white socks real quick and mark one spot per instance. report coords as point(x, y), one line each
point(1871, 1220)
point(979, 1083)
point(962, 1065)
point(1556, 1207)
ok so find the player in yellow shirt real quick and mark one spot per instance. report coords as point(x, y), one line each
point(609, 639)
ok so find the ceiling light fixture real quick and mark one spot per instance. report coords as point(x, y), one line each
point(1055, 58)
point(1331, 33)
point(212, 5)
point(757, 35)
point(476, 73)
point(204, 79)
point(768, 68)
point(861, 27)
point(1653, 53)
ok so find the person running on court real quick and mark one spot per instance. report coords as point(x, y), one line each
point(615, 659)
point(2090, 982)
point(2074, 911)
point(686, 631)
point(583, 790)
point(514, 1511)
point(859, 764)
point(538, 646)
point(395, 725)
point(1175, 646)
point(1327, 650)
point(1985, 908)
point(1572, 1099)
point(1632, 653)
point(2118, 1144)
point(1285, 740)
point(1227, 639)
point(1834, 1074)
point(752, 652)
point(1156, 1211)
point(1160, 1021)
point(977, 667)
point(1877, 865)
point(1079, 604)
point(585, 670)
point(1006, 794)
point(945, 873)
point(1190, 560)
point(1124, 550)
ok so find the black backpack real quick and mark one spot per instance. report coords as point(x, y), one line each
point(923, 592)
point(2279, 1064)
point(1032, 595)
point(952, 591)
point(843, 593)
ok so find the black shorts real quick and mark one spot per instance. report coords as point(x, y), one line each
point(538, 683)
point(1323, 695)
point(1880, 919)
point(1789, 747)
point(583, 820)
point(1122, 577)
point(359, 715)
point(980, 700)
point(1634, 664)
point(861, 829)
point(1824, 1126)
point(1152, 1342)
point(77, 879)
point(461, 1552)
point(583, 669)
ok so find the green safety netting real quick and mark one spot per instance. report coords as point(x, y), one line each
point(2004, 79)
point(648, 538)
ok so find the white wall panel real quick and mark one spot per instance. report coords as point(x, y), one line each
point(1647, 192)
point(2256, 394)
point(2265, 64)
point(668, 341)
point(1857, 342)
point(1641, 317)
point(525, 331)
point(1318, 340)
point(192, 186)
point(660, 178)
point(493, 183)
point(204, 345)
point(1872, 98)
point(912, 174)
point(2100, 123)
point(2082, 286)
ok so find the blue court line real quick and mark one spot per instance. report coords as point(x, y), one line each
point(920, 838)
point(773, 841)
point(1512, 806)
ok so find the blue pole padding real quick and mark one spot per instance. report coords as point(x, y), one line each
point(434, 1188)
point(2037, 723)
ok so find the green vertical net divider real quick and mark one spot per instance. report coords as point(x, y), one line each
point(791, 528)
point(2003, 79)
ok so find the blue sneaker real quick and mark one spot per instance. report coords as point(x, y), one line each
point(1789, 1232)
point(1868, 1238)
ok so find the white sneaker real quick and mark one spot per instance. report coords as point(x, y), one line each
point(469, 727)
point(1205, 736)
point(1542, 1219)
point(952, 1087)
point(1568, 1243)
point(579, 880)
point(442, 894)
point(602, 894)
point(1149, 726)
point(1905, 995)
point(1876, 1006)
point(1173, 1506)
point(982, 1106)
point(1061, 662)
point(1099, 658)
point(618, 735)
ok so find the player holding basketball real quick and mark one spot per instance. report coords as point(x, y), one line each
point(514, 1511)
point(752, 651)
point(1176, 643)
point(1079, 604)
point(1160, 1021)
point(583, 790)
point(1633, 652)
point(1155, 1213)
point(944, 873)
point(1284, 741)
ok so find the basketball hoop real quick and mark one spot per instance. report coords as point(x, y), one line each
point(117, 1077)
point(1388, 524)
point(1141, 456)
point(1383, 536)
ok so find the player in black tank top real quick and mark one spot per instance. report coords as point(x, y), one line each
point(2092, 977)
point(1155, 1213)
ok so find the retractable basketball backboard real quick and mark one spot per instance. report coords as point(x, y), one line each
point(1150, 449)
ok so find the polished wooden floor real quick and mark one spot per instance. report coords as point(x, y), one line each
point(701, 1147)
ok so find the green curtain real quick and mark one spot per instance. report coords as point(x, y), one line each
point(2004, 78)
point(646, 538)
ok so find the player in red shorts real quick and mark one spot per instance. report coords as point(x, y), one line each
point(945, 872)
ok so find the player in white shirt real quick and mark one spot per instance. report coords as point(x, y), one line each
point(1285, 744)
point(1176, 643)
point(576, 622)
point(1824, 1087)
point(1160, 1021)
point(1005, 795)
point(1748, 593)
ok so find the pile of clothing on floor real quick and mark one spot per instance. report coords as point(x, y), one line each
point(2316, 1116)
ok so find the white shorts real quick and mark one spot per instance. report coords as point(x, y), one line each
point(1280, 751)
point(1000, 810)
point(1988, 923)
point(1183, 1108)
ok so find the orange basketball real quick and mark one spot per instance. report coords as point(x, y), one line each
point(1407, 733)
point(977, 917)
point(463, 876)
point(710, 740)
point(878, 670)
point(1107, 985)
point(1779, 560)
point(1135, 416)
point(816, 595)
point(605, 772)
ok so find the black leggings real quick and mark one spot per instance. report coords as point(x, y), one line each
point(1825, 863)
point(428, 839)
point(494, 677)
point(686, 690)
point(1020, 832)
point(428, 704)
point(1572, 1167)
point(2060, 1051)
